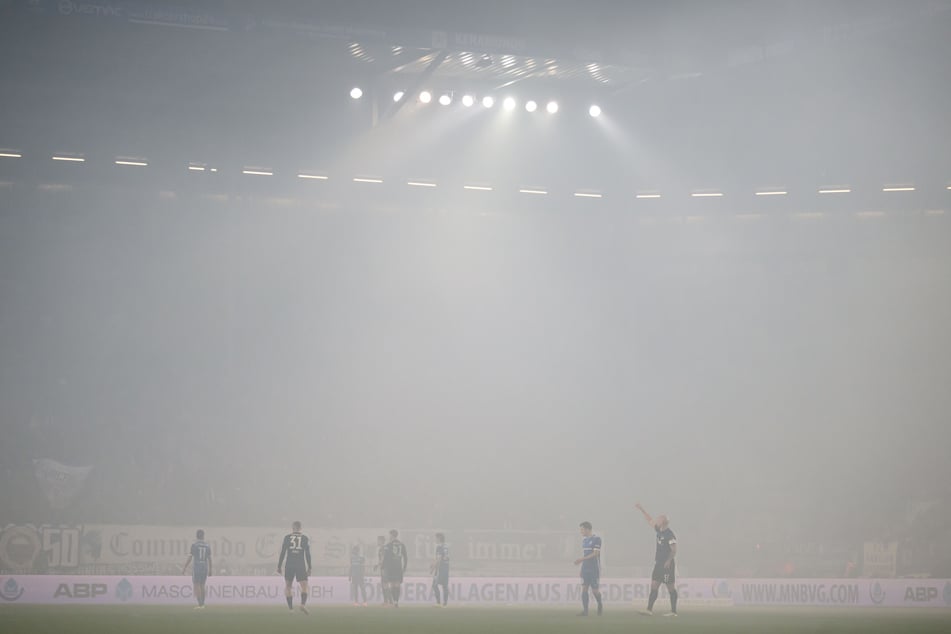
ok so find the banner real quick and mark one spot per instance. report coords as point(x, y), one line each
point(499, 591)
point(59, 482)
point(255, 550)
point(880, 559)
point(27, 548)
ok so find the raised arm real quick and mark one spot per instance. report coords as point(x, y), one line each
point(650, 520)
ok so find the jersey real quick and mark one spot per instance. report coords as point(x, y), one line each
point(442, 558)
point(394, 556)
point(296, 548)
point(201, 555)
point(589, 545)
point(357, 566)
point(665, 539)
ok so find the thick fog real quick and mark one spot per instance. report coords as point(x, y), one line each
point(245, 354)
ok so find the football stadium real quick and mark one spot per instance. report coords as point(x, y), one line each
point(439, 316)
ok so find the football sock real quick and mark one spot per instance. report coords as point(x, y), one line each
point(303, 598)
point(597, 597)
point(653, 597)
point(290, 603)
point(436, 592)
point(584, 601)
point(673, 600)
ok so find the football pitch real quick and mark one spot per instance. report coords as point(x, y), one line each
point(481, 620)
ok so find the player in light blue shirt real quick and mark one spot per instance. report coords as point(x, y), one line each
point(440, 570)
point(200, 558)
point(590, 562)
point(358, 566)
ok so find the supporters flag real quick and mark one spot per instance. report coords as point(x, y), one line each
point(60, 483)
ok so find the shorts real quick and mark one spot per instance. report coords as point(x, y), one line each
point(200, 574)
point(441, 578)
point(392, 576)
point(296, 572)
point(591, 578)
point(664, 575)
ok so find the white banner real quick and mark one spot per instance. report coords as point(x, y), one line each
point(230, 545)
point(473, 551)
point(499, 591)
point(880, 559)
point(59, 482)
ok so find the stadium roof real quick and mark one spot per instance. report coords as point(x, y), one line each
point(815, 92)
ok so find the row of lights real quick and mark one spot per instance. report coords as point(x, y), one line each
point(488, 101)
point(260, 171)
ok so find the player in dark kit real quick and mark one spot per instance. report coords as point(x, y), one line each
point(200, 558)
point(440, 570)
point(590, 567)
point(358, 564)
point(395, 559)
point(296, 549)
point(665, 566)
point(380, 548)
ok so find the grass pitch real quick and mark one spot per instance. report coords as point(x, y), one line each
point(474, 620)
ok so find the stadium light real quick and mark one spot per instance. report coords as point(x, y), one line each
point(445, 100)
point(707, 194)
point(425, 96)
point(468, 100)
point(131, 163)
point(478, 188)
point(488, 101)
point(356, 93)
point(647, 196)
point(18, 155)
point(541, 192)
point(843, 190)
point(595, 111)
point(898, 189)
point(587, 195)
point(531, 106)
point(257, 172)
point(509, 104)
point(772, 193)
point(398, 95)
point(420, 184)
point(552, 107)
point(318, 177)
point(367, 180)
